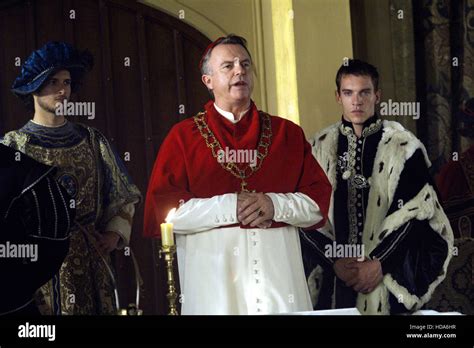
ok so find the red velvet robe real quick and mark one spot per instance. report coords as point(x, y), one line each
point(185, 167)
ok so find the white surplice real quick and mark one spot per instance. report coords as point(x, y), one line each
point(231, 270)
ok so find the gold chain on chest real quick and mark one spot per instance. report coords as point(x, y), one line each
point(265, 141)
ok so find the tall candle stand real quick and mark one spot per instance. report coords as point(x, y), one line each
point(168, 251)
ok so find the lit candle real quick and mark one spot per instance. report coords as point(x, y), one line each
point(167, 237)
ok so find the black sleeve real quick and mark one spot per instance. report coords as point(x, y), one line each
point(40, 218)
point(413, 178)
point(414, 253)
point(47, 212)
point(313, 244)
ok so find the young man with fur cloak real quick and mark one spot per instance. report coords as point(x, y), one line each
point(383, 205)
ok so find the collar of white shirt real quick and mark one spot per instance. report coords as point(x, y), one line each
point(229, 115)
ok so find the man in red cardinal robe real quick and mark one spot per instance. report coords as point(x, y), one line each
point(243, 182)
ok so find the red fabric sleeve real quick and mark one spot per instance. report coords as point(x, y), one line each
point(314, 183)
point(167, 186)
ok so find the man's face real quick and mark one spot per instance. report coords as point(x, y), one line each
point(358, 98)
point(54, 91)
point(230, 77)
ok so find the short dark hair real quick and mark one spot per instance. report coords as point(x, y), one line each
point(357, 67)
point(27, 101)
point(230, 39)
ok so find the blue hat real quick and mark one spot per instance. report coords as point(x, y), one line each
point(50, 58)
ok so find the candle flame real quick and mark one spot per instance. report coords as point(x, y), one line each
point(170, 215)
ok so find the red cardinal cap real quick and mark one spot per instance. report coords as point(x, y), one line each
point(209, 48)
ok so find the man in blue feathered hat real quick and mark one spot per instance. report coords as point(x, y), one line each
point(91, 172)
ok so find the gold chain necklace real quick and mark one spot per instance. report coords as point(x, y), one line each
point(216, 148)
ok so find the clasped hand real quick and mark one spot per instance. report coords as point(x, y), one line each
point(255, 209)
point(107, 241)
point(362, 276)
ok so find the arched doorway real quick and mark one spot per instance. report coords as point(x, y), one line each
point(145, 79)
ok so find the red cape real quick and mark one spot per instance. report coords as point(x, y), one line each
point(185, 167)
